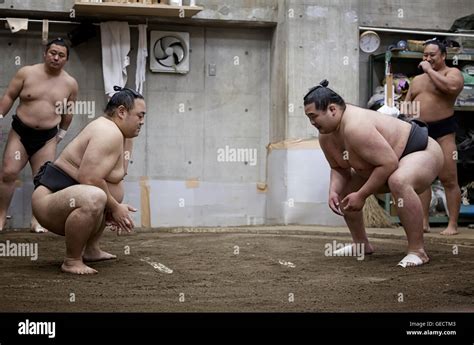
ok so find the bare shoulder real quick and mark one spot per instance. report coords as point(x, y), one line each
point(27, 70)
point(455, 72)
point(38, 68)
point(33, 71)
point(71, 81)
point(359, 124)
point(356, 118)
point(104, 131)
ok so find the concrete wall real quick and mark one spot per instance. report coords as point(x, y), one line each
point(312, 42)
point(32, 5)
point(322, 44)
point(413, 14)
point(190, 117)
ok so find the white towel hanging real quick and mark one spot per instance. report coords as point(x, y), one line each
point(17, 24)
point(115, 39)
point(141, 58)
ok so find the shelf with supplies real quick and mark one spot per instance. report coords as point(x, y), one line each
point(464, 108)
point(410, 60)
point(406, 62)
point(143, 8)
point(388, 205)
point(406, 54)
point(466, 212)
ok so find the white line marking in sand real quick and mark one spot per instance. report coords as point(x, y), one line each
point(157, 266)
point(286, 263)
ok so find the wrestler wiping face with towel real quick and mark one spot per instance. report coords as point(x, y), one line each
point(372, 153)
point(83, 189)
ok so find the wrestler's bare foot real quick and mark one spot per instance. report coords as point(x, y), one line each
point(449, 231)
point(93, 255)
point(368, 248)
point(76, 267)
point(37, 228)
point(3, 223)
point(426, 227)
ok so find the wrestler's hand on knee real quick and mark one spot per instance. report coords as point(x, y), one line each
point(334, 203)
point(121, 216)
point(353, 202)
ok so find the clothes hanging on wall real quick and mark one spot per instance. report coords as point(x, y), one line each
point(115, 39)
point(17, 24)
point(141, 58)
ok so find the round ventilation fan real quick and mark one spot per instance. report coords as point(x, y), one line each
point(169, 51)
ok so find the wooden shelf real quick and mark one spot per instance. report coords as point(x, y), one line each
point(410, 55)
point(464, 108)
point(467, 210)
point(396, 219)
point(136, 9)
point(465, 213)
point(418, 55)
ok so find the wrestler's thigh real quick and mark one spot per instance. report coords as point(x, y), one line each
point(46, 153)
point(14, 155)
point(53, 209)
point(448, 146)
point(419, 169)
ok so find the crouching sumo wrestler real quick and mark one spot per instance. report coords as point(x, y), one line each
point(83, 189)
point(372, 153)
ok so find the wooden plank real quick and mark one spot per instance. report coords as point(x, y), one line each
point(464, 108)
point(135, 9)
point(418, 55)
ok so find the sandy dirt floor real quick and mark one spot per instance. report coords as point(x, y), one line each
point(236, 270)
